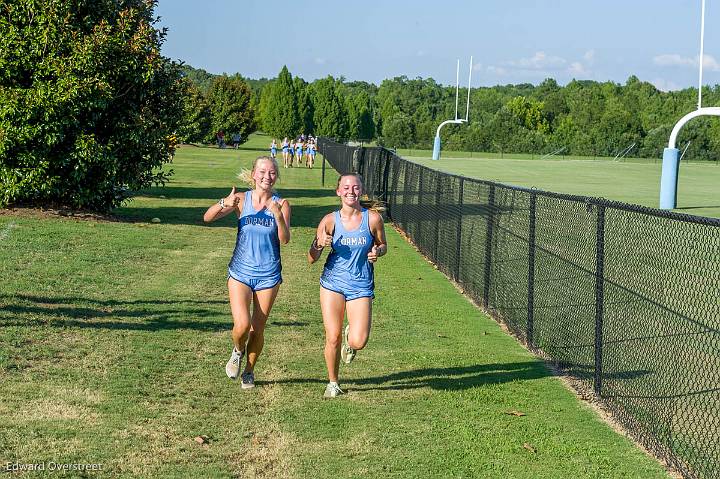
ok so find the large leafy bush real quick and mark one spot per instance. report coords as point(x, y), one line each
point(88, 105)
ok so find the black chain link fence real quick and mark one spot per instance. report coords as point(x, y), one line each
point(623, 298)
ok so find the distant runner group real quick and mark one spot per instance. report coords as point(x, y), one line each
point(293, 151)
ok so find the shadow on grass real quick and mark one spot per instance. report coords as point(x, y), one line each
point(173, 215)
point(228, 147)
point(142, 315)
point(455, 378)
point(266, 151)
point(586, 372)
point(272, 323)
point(213, 194)
point(134, 315)
point(302, 215)
point(446, 379)
point(102, 302)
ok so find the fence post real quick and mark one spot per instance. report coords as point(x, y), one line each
point(488, 245)
point(406, 186)
point(419, 237)
point(530, 333)
point(599, 296)
point(386, 174)
point(458, 238)
point(355, 162)
point(438, 196)
point(323, 170)
point(393, 200)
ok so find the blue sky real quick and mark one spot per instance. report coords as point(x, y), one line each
point(512, 41)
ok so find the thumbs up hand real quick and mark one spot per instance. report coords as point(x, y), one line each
point(232, 199)
point(372, 254)
point(324, 239)
point(275, 207)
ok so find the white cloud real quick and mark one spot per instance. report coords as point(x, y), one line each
point(420, 53)
point(497, 70)
point(477, 67)
point(539, 61)
point(320, 61)
point(673, 60)
point(577, 69)
point(543, 65)
point(710, 63)
point(665, 85)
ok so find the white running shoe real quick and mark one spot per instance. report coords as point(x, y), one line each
point(248, 380)
point(232, 368)
point(347, 354)
point(332, 390)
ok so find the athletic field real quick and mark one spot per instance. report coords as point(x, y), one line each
point(632, 180)
point(114, 337)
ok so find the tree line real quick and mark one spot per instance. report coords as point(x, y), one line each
point(584, 117)
point(91, 111)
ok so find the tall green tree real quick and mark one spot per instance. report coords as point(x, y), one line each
point(88, 105)
point(306, 108)
point(197, 123)
point(230, 100)
point(529, 114)
point(618, 128)
point(330, 116)
point(503, 129)
point(280, 113)
point(397, 131)
point(257, 87)
point(199, 77)
point(360, 120)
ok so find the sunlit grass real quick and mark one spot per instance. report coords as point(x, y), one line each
point(114, 336)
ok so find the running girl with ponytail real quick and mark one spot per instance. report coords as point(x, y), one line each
point(254, 272)
point(285, 145)
point(347, 284)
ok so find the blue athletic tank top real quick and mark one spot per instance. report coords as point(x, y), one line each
point(257, 249)
point(347, 266)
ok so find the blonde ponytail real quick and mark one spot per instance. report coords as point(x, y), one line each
point(373, 205)
point(245, 176)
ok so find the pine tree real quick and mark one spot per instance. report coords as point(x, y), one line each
point(279, 105)
point(305, 106)
point(330, 117)
point(360, 122)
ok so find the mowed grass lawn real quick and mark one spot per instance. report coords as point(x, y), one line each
point(114, 336)
point(633, 180)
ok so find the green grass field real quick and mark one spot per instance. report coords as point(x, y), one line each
point(114, 336)
point(632, 180)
